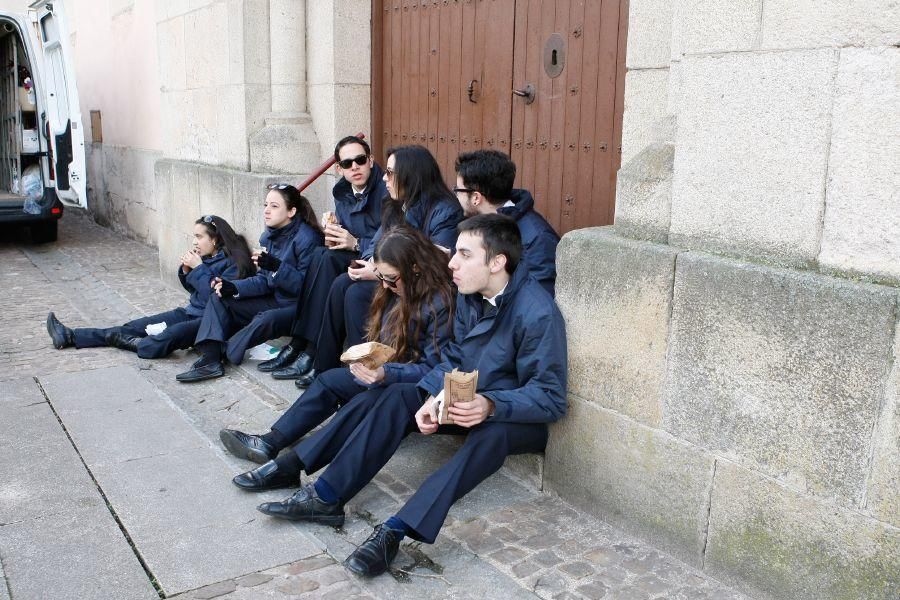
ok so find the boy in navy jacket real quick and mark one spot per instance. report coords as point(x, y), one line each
point(508, 328)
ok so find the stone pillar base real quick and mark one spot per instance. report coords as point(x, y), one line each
point(287, 144)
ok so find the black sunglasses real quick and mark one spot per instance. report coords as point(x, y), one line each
point(348, 162)
point(278, 186)
point(391, 281)
point(208, 219)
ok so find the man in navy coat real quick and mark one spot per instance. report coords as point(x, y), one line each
point(508, 328)
point(484, 185)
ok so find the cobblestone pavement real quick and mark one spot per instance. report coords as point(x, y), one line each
point(514, 542)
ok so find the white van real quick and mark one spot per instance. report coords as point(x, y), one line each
point(42, 163)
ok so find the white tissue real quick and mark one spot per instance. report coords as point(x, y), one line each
point(156, 328)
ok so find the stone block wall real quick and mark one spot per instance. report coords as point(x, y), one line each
point(733, 338)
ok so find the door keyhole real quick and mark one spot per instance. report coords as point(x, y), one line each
point(553, 59)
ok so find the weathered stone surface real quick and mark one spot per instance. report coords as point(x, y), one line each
point(128, 203)
point(637, 478)
point(644, 194)
point(781, 368)
point(215, 190)
point(268, 148)
point(752, 146)
point(249, 194)
point(774, 543)
point(715, 26)
point(615, 295)
point(862, 215)
point(649, 34)
point(170, 54)
point(186, 195)
point(646, 94)
point(829, 23)
point(883, 499)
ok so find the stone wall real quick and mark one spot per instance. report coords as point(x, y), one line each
point(734, 378)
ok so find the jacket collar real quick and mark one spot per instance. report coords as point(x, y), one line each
point(343, 189)
point(287, 231)
point(523, 201)
point(488, 322)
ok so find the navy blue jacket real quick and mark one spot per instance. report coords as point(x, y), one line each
point(539, 241)
point(362, 218)
point(433, 339)
point(197, 280)
point(293, 244)
point(437, 220)
point(519, 351)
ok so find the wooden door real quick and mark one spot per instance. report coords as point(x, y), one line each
point(444, 74)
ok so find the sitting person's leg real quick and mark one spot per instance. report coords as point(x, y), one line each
point(331, 390)
point(356, 314)
point(176, 336)
point(266, 325)
point(94, 337)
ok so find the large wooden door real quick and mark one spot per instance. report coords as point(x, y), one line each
point(454, 76)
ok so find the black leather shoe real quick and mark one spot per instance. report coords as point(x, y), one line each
point(62, 336)
point(122, 341)
point(251, 447)
point(266, 477)
point(287, 355)
point(304, 505)
point(202, 373)
point(374, 556)
point(307, 379)
point(301, 365)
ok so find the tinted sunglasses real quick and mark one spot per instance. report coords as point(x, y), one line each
point(278, 186)
point(390, 281)
point(208, 219)
point(348, 162)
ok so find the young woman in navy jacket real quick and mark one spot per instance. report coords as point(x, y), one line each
point(246, 312)
point(411, 312)
point(217, 251)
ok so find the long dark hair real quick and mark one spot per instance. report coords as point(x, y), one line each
point(425, 278)
point(232, 244)
point(294, 199)
point(417, 178)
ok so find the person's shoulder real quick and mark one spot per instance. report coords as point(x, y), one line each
point(306, 233)
point(534, 225)
point(534, 302)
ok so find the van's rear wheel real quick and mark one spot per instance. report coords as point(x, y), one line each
point(41, 233)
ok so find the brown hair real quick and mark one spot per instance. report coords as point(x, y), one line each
point(294, 199)
point(425, 278)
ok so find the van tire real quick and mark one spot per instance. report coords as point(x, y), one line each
point(42, 233)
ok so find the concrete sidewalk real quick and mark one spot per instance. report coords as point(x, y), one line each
point(113, 483)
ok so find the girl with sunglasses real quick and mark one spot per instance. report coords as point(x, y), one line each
point(411, 312)
point(246, 312)
point(419, 198)
point(217, 251)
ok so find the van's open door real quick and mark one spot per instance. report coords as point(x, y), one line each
point(61, 106)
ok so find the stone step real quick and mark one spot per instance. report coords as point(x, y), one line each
point(168, 483)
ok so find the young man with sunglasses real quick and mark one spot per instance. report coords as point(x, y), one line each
point(358, 197)
point(509, 329)
point(484, 185)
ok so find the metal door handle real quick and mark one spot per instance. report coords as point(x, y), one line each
point(470, 90)
point(527, 92)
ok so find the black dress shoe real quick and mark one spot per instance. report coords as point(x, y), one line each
point(62, 336)
point(251, 447)
point(266, 477)
point(304, 505)
point(374, 556)
point(306, 379)
point(286, 356)
point(301, 365)
point(122, 341)
point(202, 373)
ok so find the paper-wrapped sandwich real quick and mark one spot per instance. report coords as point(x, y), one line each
point(458, 387)
point(371, 354)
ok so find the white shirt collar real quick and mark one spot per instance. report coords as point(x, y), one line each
point(493, 299)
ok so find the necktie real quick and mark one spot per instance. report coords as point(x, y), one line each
point(358, 195)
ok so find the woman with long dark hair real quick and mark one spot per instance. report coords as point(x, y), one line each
point(246, 312)
point(411, 312)
point(419, 198)
point(216, 251)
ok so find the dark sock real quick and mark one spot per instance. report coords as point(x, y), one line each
point(275, 439)
point(211, 351)
point(397, 525)
point(298, 343)
point(289, 463)
point(325, 492)
point(311, 349)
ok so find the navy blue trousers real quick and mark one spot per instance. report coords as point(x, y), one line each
point(325, 267)
point(369, 446)
point(181, 329)
point(331, 391)
point(241, 323)
point(343, 323)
